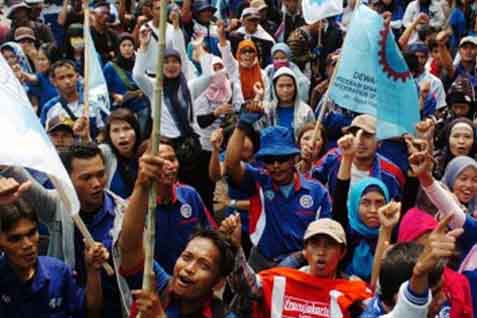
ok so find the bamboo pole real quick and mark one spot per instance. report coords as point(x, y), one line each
point(86, 61)
point(147, 283)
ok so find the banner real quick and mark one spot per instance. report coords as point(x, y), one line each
point(372, 76)
point(25, 142)
point(316, 10)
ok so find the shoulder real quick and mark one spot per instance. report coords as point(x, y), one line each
point(52, 102)
point(389, 167)
point(53, 266)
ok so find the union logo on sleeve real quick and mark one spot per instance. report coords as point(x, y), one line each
point(186, 210)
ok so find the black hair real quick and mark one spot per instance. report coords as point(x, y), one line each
point(128, 116)
point(59, 64)
point(411, 61)
point(80, 151)
point(225, 247)
point(10, 214)
point(397, 267)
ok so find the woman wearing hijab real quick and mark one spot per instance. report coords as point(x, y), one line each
point(246, 68)
point(281, 58)
point(123, 90)
point(460, 177)
point(73, 48)
point(460, 140)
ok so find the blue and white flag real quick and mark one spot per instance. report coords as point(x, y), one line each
point(98, 96)
point(373, 78)
point(316, 10)
point(24, 141)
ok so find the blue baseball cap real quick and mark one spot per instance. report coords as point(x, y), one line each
point(277, 141)
point(201, 5)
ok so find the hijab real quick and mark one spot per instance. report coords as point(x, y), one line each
point(454, 169)
point(249, 75)
point(363, 254)
point(219, 90)
point(447, 155)
point(124, 63)
point(22, 59)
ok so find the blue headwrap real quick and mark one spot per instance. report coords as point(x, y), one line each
point(454, 169)
point(282, 47)
point(362, 262)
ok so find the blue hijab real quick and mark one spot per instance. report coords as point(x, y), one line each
point(453, 170)
point(363, 254)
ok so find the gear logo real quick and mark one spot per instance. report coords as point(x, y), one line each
point(391, 62)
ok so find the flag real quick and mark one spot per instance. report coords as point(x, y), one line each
point(372, 76)
point(98, 96)
point(24, 141)
point(316, 10)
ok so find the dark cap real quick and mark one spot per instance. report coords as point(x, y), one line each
point(24, 33)
point(59, 121)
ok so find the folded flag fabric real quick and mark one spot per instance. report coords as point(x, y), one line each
point(316, 10)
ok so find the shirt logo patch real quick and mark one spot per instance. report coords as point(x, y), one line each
point(186, 210)
point(269, 195)
point(55, 303)
point(306, 201)
point(6, 299)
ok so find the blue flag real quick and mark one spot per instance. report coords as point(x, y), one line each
point(98, 96)
point(373, 78)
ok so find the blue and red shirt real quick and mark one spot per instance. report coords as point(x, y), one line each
point(327, 169)
point(53, 291)
point(176, 221)
point(278, 222)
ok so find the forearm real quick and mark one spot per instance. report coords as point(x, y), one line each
point(233, 154)
point(63, 14)
point(406, 35)
point(446, 60)
point(243, 279)
point(384, 236)
point(344, 172)
point(94, 294)
point(243, 204)
point(186, 12)
point(215, 170)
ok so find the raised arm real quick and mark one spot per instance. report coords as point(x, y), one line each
point(215, 168)
point(139, 70)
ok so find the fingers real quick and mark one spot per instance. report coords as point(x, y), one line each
point(8, 186)
point(443, 224)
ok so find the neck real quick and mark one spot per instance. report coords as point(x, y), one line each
point(286, 103)
point(164, 192)
point(25, 274)
point(285, 182)
point(155, 22)
point(467, 65)
point(190, 307)
point(363, 163)
point(100, 28)
point(73, 97)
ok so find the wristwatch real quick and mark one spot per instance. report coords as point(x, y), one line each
point(233, 204)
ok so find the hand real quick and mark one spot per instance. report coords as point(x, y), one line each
point(425, 128)
point(251, 113)
point(389, 214)
point(347, 144)
point(307, 152)
point(232, 228)
point(415, 145)
point(95, 255)
point(442, 37)
point(217, 138)
point(175, 18)
point(421, 163)
point(149, 304)
point(144, 37)
point(118, 98)
point(11, 190)
point(150, 169)
point(233, 24)
point(223, 109)
point(221, 29)
point(141, 20)
point(81, 128)
point(258, 90)
point(440, 244)
point(321, 87)
point(422, 18)
point(387, 16)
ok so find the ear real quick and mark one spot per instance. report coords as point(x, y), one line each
point(343, 252)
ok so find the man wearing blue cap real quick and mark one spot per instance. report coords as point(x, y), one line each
point(283, 202)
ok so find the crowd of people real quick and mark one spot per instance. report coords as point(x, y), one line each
point(261, 210)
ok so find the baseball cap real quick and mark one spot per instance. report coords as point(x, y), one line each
point(202, 5)
point(249, 13)
point(328, 227)
point(24, 33)
point(365, 122)
point(258, 4)
point(461, 91)
point(468, 39)
point(59, 121)
point(277, 141)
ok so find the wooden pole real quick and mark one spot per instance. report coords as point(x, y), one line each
point(149, 244)
point(86, 61)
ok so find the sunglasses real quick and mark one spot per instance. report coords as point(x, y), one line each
point(272, 159)
point(247, 51)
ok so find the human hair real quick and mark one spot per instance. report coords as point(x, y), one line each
point(10, 214)
point(80, 151)
point(224, 246)
point(311, 126)
point(128, 116)
point(61, 63)
point(397, 267)
point(424, 203)
point(146, 145)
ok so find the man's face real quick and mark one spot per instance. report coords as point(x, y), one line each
point(156, 9)
point(467, 52)
point(323, 255)
point(291, 5)
point(61, 138)
point(171, 168)
point(197, 270)
point(20, 244)
point(204, 16)
point(421, 59)
point(21, 16)
point(89, 179)
point(250, 24)
point(101, 15)
point(367, 146)
point(280, 168)
point(65, 79)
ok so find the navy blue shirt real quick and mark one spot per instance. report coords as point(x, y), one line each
point(285, 116)
point(44, 90)
point(176, 222)
point(99, 225)
point(53, 292)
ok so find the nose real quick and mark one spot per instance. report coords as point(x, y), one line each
point(190, 267)
point(27, 242)
point(95, 182)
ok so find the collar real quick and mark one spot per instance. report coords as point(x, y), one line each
point(173, 199)
point(106, 209)
point(9, 277)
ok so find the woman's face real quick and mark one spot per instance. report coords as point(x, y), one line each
point(306, 139)
point(279, 56)
point(9, 56)
point(126, 48)
point(368, 208)
point(122, 137)
point(465, 185)
point(461, 139)
point(42, 63)
point(172, 67)
point(248, 56)
point(285, 88)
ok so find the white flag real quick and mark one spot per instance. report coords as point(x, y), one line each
point(24, 141)
point(316, 10)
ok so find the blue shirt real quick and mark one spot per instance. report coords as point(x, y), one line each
point(277, 224)
point(99, 225)
point(44, 90)
point(119, 185)
point(285, 116)
point(53, 292)
point(176, 222)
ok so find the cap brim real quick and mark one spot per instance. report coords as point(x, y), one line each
point(468, 41)
point(25, 37)
point(277, 150)
point(64, 126)
point(326, 232)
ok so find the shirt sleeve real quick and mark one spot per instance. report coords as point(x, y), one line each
point(74, 296)
point(243, 280)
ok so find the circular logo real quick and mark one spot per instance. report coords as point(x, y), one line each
point(186, 210)
point(306, 201)
point(270, 195)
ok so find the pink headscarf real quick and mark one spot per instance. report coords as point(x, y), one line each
point(219, 90)
point(415, 223)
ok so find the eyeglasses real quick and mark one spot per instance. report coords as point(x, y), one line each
point(247, 51)
point(272, 159)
